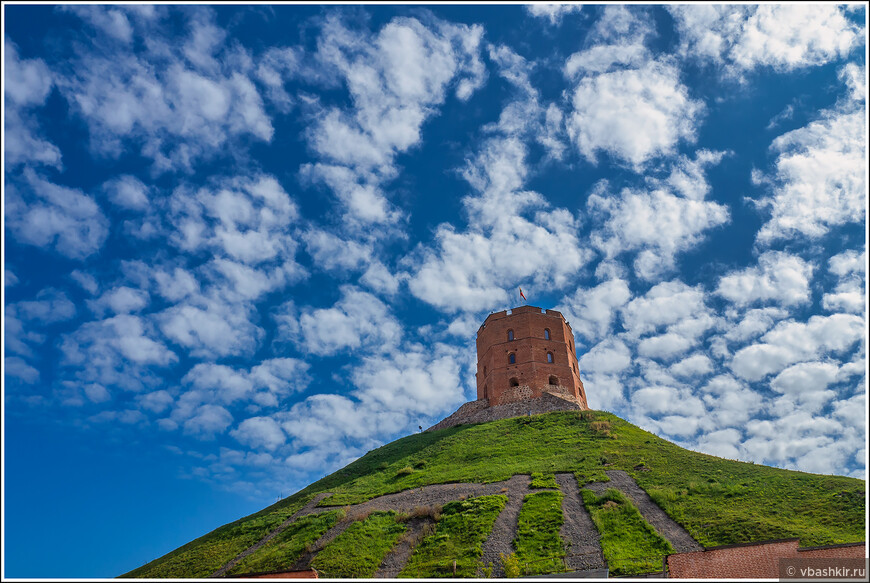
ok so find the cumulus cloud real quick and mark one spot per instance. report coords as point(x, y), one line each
point(593, 310)
point(357, 320)
point(50, 305)
point(783, 37)
point(211, 328)
point(470, 270)
point(633, 115)
point(790, 342)
point(44, 214)
point(396, 79)
point(656, 223)
point(849, 295)
point(553, 12)
point(626, 103)
point(26, 88)
point(819, 181)
point(175, 104)
point(779, 277)
point(259, 432)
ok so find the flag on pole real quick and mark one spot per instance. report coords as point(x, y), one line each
point(522, 295)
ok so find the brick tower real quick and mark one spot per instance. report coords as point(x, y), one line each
point(524, 353)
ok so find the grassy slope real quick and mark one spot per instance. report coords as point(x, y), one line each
point(718, 501)
point(359, 550)
point(540, 550)
point(459, 536)
point(629, 543)
point(282, 551)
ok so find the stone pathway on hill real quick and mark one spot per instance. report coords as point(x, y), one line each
point(307, 509)
point(397, 558)
point(578, 530)
point(504, 530)
point(679, 538)
point(584, 552)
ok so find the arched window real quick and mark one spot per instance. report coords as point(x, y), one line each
point(515, 382)
point(554, 380)
point(546, 333)
point(484, 371)
point(549, 357)
point(512, 358)
point(510, 335)
point(574, 366)
point(485, 392)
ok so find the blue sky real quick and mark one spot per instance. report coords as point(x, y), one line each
point(246, 244)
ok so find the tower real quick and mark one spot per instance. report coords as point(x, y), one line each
point(525, 352)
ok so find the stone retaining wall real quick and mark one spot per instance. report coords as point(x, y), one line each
point(480, 412)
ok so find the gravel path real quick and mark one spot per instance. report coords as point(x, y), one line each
point(504, 530)
point(664, 524)
point(578, 530)
point(397, 558)
point(307, 509)
point(584, 551)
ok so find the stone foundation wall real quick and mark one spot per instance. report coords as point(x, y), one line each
point(480, 411)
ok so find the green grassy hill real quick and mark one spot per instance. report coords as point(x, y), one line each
point(717, 501)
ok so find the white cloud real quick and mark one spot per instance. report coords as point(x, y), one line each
point(633, 114)
point(358, 319)
point(51, 305)
point(790, 342)
point(396, 79)
point(592, 310)
point(211, 328)
point(14, 366)
point(127, 192)
point(87, 281)
point(120, 300)
point(657, 223)
point(779, 277)
point(819, 182)
point(259, 432)
point(754, 323)
point(666, 304)
point(155, 401)
point(27, 83)
point(665, 346)
point(207, 421)
point(692, 366)
point(470, 270)
point(52, 216)
point(115, 352)
point(784, 37)
point(607, 357)
point(175, 104)
point(553, 12)
point(849, 295)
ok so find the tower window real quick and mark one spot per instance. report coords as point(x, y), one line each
point(549, 357)
point(484, 371)
point(510, 335)
point(514, 382)
point(554, 380)
point(512, 358)
point(546, 333)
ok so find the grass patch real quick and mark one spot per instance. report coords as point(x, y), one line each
point(540, 549)
point(359, 550)
point(282, 551)
point(458, 536)
point(205, 555)
point(718, 501)
point(541, 480)
point(631, 546)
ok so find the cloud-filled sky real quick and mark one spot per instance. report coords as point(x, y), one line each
point(246, 244)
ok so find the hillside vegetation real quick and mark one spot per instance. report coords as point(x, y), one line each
point(718, 501)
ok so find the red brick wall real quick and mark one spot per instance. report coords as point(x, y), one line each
point(530, 347)
point(751, 561)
